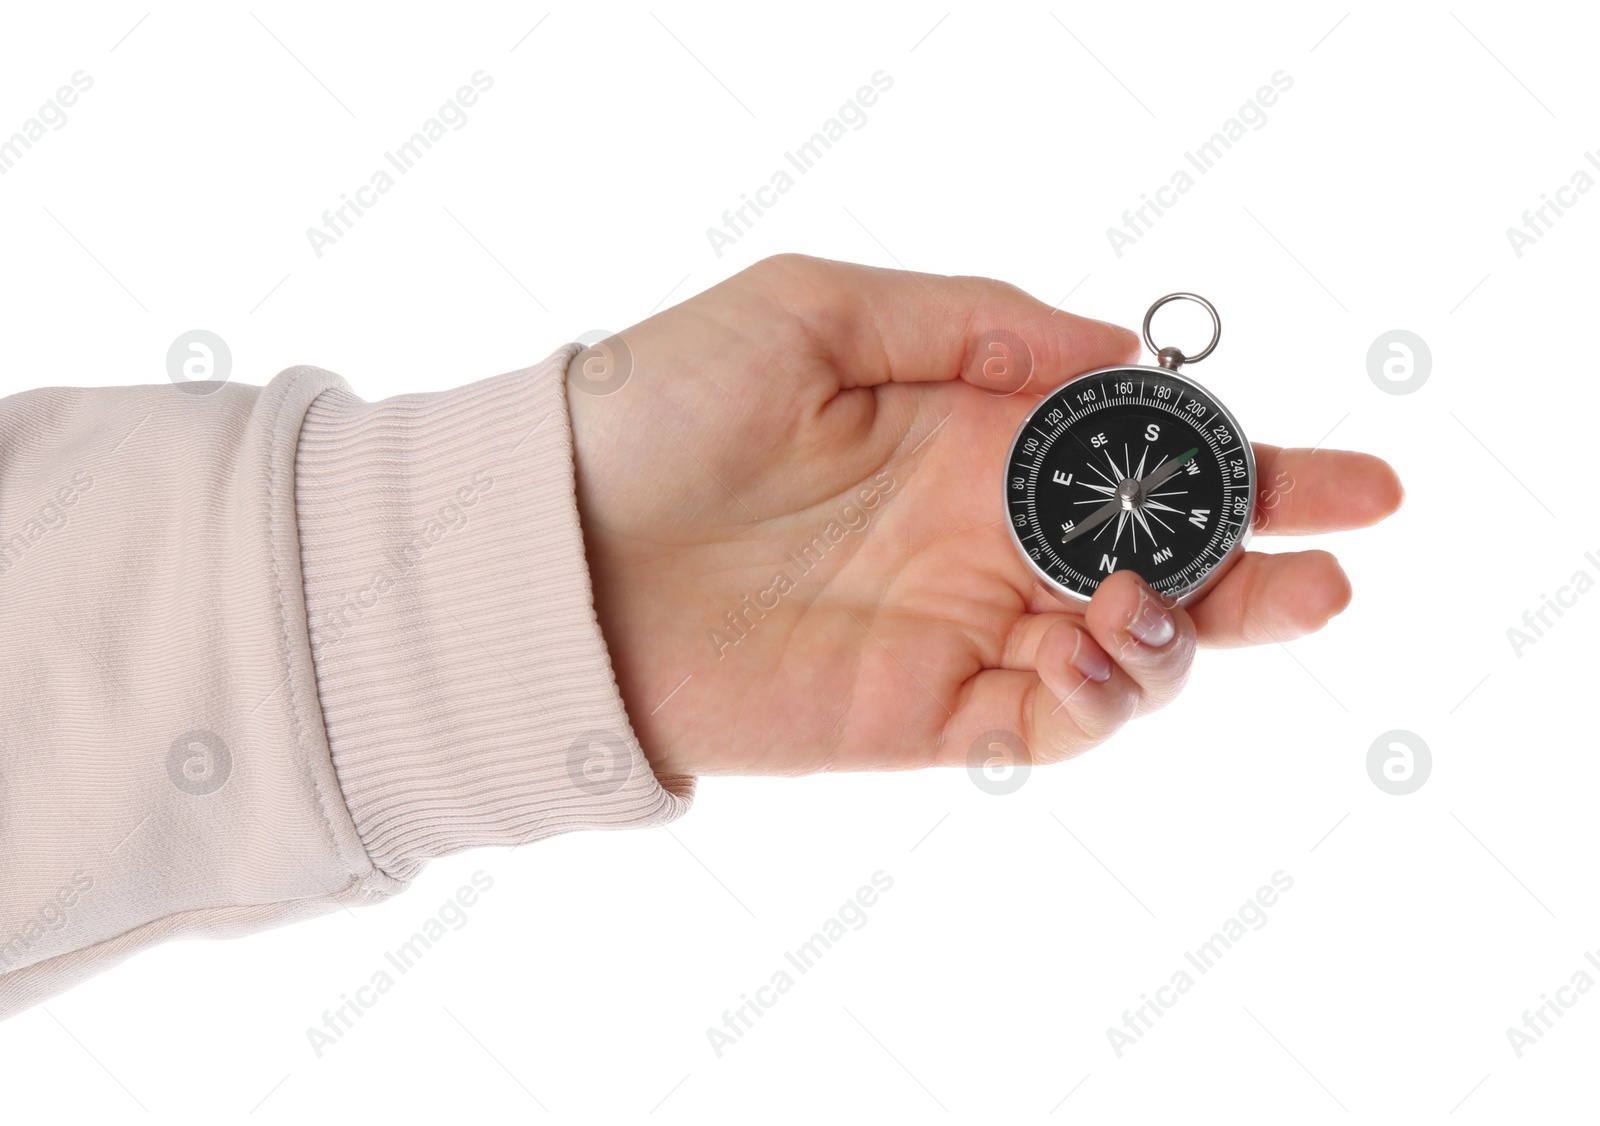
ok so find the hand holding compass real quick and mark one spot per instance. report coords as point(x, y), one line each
point(788, 516)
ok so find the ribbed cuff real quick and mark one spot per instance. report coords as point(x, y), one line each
point(465, 685)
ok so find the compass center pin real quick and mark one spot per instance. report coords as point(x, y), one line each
point(1130, 494)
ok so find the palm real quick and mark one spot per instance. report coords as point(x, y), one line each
point(800, 566)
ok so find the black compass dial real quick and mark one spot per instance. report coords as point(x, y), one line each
point(1129, 469)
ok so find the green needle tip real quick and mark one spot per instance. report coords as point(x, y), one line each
point(1183, 457)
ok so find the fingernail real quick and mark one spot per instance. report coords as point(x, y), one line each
point(1089, 659)
point(1152, 623)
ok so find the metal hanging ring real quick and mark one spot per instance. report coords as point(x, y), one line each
point(1216, 325)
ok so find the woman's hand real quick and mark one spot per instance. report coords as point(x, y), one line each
point(792, 513)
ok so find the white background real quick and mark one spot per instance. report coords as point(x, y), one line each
point(1019, 927)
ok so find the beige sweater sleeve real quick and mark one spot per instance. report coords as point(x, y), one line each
point(268, 650)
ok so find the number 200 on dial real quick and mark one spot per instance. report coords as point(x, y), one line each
point(1130, 468)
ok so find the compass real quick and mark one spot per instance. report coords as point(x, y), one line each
point(1132, 469)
